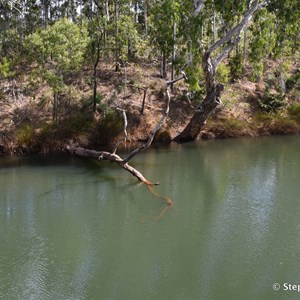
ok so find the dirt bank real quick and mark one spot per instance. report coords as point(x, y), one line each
point(26, 124)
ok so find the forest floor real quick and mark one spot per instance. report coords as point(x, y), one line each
point(26, 124)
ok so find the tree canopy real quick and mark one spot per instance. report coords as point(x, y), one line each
point(213, 41)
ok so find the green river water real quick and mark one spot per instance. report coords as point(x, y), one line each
point(83, 229)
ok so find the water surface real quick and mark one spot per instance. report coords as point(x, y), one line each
point(81, 229)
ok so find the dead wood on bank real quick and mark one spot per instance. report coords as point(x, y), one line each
point(124, 162)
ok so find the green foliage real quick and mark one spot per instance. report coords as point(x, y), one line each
point(11, 45)
point(5, 69)
point(62, 44)
point(271, 103)
point(99, 98)
point(59, 50)
point(236, 66)
point(275, 123)
point(293, 81)
point(54, 80)
point(287, 14)
point(163, 16)
point(72, 126)
point(230, 10)
point(25, 135)
point(294, 111)
point(227, 127)
point(233, 124)
point(223, 73)
point(76, 123)
point(87, 102)
point(258, 71)
point(283, 125)
point(109, 126)
point(195, 76)
point(263, 117)
point(128, 38)
point(54, 136)
point(263, 42)
point(230, 98)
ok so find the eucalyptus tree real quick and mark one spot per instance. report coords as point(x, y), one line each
point(276, 35)
point(263, 41)
point(97, 32)
point(164, 16)
point(214, 53)
point(59, 50)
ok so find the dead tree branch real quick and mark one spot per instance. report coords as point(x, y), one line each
point(113, 157)
point(159, 124)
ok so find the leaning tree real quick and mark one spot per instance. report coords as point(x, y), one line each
point(234, 20)
point(235, 16)
point(113, 157)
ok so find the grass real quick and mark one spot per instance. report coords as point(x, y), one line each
point(276, 123)
point(25, 135)
point(294, 112)
point(227, 127)
point(284, 125)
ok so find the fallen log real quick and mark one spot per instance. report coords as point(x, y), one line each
point(112, 157)
point(124, 162)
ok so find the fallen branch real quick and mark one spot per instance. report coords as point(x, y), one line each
point(159, 124)
point(123, 162)
point(112, 157)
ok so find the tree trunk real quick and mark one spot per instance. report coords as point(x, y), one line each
point(117, 68)
point(245, 47)
point(214, 28)
point(173, 57)
point(136, 13)
point(146, 16)
point(211, 101)
point(46, 12)
point(163, 65)
point(144, 100)
point(95, 75)
point(55, 107)
point(192, 130)
point(210, 65)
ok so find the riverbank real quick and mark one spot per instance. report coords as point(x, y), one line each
point(26, 123)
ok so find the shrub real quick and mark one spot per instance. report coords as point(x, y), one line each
point(257, 72)
point(294, 111)
point(263, 117)
point(271, 103)
point(229, 127)
point(223, 73)
point(236, 67)
point(77, 123)
point(283, 125)
point(109, 127)
point(25, 135)
point(5, 69)
point(293, 81)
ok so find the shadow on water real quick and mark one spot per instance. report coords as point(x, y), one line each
point(87, 166)
point(96, 171)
